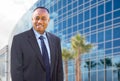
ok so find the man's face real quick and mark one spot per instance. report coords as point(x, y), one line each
point(40, 20)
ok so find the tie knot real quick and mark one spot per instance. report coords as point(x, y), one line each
point(41, 37)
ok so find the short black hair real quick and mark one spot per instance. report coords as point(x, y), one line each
point(41, 8)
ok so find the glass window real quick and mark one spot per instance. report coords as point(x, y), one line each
point(55, 7)
point(88, 38)
point(93, 22)
point(116, 50)
point(100, 19)
point(80, 19)
point(116, 32)
point(116, 43)
point(74, 28)
point(69, 13)
point(93, 76)
point(75, 20)
point(108, 45)
point(100, 46)
point(108, 23)
point(115, 75)
point(108, 51)
point(116, 4)
point(59, 4)
point(93, 12)
point(87, 30)
point(59, 12)
point(64, 10)
point(86, 1)
point(87, 4)
point(69, 22)
point(100, 75)
point(75, 4)
point(75, 10)
point(109, 75)
point(64, 2)
point(93, 28)
point(108, 6)
point(86, 16)
point(100, 26)
point(51, 9)
point(69, 30)
point(116, 21)
point(100, 9)
point(80, 7)
point(116, 14)
point(64, 24)
point(64, 32)
point(108, 35)
point(69, 1)
point(80, 2)
point(108, 16)
point(69, 7)
point(101, 62)
point(64, 16)
point(86, 24)
point(80, 26)
point(100, 0)
point(93, 38)
point(93, 1)
point(59, 27)
point(93, 65)
point(100, 36)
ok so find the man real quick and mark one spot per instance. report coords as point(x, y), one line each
point(36, 53)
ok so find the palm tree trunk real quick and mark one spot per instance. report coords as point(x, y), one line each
point(118, 75)
point(66, 71)
point(89, 73)
point(105, 73)
point(78, 69)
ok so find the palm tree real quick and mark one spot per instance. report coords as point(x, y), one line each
point(66, 55)
point(118, 70)
point(108, 63)
point(80, 47)
point(89, 64)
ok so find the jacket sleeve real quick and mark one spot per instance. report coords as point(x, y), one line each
point(60, 65)
point(16, 61)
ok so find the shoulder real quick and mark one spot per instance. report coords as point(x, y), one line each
point(21, 35)
point(53, 36)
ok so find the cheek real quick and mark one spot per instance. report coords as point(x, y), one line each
point(34, 22)
point(46, 23)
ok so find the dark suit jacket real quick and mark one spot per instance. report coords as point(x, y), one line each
point(26, 58)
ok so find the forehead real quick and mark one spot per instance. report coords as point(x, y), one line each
point(40, 11)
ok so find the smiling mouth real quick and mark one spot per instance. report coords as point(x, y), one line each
point(39, 26)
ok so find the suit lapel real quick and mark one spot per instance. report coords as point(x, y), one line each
point(34, 44)
point(52, 51)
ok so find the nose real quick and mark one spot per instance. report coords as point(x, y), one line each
point(40, 21)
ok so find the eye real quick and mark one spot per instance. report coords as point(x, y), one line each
point(44, 18)
point(37, 17)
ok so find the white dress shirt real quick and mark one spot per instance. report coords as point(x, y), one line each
point(37, 35)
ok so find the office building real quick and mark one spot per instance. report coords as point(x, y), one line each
point(98, 21)
point(4, 64)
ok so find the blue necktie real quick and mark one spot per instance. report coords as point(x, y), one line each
point(45, 58)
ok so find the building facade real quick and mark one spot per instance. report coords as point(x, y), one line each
point(4, 64)
point(98, 21)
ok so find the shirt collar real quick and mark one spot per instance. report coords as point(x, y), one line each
point(38, 34)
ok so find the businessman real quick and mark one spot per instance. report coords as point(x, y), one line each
point(36, 53)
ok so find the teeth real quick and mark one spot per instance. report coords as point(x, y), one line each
point(38, 26)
